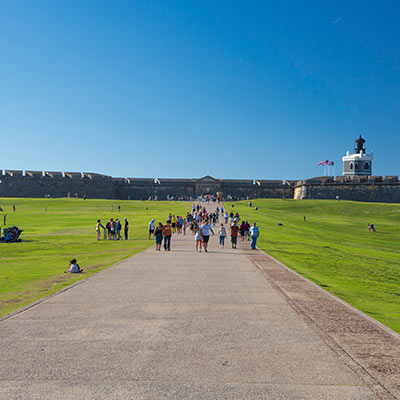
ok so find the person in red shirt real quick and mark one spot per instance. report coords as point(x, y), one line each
point(234, 234)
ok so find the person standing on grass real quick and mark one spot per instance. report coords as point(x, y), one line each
point(205, 233)
point(151, 227)
point(112, 229)
point(98, 226)
point(167, 231)
point(158, 236)
point(234, 234)
point(197, 237)
point(13, 207)
point(126, 228)
point(118, 228)
point(222, 235)
point(254, 234)
point(108, 227)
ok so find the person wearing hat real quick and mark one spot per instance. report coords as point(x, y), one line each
point(151, 227)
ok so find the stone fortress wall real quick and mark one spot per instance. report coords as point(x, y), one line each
point(16, 183)
point(57, 184)
point(382, 189)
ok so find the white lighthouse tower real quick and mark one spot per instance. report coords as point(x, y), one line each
point(358, 163)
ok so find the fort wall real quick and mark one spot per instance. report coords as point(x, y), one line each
point(371, 189)
point(55, 184)
point(16, 183)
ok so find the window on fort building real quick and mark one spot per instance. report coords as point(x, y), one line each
point(351, 165)
point(366, 166)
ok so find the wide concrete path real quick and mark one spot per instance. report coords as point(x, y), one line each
point(177, 325)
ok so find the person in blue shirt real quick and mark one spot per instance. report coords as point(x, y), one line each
point(254, 233)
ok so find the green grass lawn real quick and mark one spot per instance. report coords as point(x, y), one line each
point(35, 268)
point(335, 250)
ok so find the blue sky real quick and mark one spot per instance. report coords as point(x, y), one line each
point(233, 89)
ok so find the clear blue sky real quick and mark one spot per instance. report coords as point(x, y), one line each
point(233, 89)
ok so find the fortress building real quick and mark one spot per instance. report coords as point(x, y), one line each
point(357, 183)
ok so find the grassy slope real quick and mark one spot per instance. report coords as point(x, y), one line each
point(335, 250)
point(35, 268)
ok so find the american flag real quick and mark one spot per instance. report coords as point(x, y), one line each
point(326, 162)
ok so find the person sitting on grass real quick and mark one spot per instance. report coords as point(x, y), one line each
point(74, 267)
point(371, 228)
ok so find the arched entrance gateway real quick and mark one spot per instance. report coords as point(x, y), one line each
point(207, 186)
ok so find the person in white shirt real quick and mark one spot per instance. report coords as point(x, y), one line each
point(197, 237)
point(74, 267)
point(205, 233)
point(151, 227)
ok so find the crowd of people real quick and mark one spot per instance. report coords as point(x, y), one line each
point(112, 230)
point(201, 223)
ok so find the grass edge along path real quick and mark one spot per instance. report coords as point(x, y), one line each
point(56, 230)
point(334, 249)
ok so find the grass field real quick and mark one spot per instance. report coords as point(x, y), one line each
point(335, 250)
point(35, 268)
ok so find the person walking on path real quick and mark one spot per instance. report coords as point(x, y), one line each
point(158, 236)
point(254, 233)
point(226, 216)
point(98, 226)
point(205, 233)
point(234, 234)
point(173, 220)
point(126, 228)
point(197, 237)
point(222, 235)
point(167, 231)
point(151, 227)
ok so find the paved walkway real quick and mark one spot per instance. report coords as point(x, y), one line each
point(177, 325)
